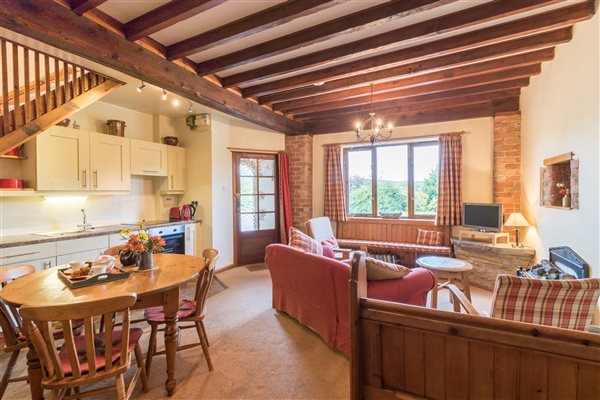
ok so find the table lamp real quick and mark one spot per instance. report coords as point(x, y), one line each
point(517, 220)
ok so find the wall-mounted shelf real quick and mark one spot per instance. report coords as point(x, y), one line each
point(560, 207)
point(14, 157)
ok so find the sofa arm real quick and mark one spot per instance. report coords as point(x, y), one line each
point(412, 289)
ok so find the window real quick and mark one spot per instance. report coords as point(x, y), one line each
point(392, 179)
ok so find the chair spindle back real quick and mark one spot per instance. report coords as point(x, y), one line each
point(205, 279)
point(40, 324)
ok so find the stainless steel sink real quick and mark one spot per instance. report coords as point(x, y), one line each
point(62, 233)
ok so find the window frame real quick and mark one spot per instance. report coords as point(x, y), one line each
point(410, 146)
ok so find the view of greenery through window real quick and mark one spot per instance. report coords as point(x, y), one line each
point(392, 177)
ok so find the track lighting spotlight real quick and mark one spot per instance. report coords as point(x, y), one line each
point(164, 95)
point(141, 87)
point(190, 108)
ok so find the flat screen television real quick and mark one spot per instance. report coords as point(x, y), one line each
point(483, 216)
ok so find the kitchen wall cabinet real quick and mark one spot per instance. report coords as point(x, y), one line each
point(60, 159)
point(109, 162)
point(65, 159)
point(176, 170)
point(148, 158)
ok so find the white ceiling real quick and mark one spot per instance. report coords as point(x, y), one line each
point(126, 10)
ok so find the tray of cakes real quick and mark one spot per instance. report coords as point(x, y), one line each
point(81, 274)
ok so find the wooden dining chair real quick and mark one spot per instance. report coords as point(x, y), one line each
point(189, 311)
point(86, 359)
point(11, 324)
point(114, 250)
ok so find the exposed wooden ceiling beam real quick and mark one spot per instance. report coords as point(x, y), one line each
point(500, 80)
point(166, 15)
point(318, 33)
point(250, 25)
point(52, 24)
point(80, 7)
point(451, 47)
point(430, 102)
point(464, 71)
point(460, 96)
point(435, 26)
point(509, 47)
point(478, 110)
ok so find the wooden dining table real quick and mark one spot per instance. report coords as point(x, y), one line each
point(159, 287)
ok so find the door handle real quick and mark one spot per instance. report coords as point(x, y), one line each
point(95, 179)
point(84, 178)
point(171, 181)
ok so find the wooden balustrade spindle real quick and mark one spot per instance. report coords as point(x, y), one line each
point(38, 101)
point(75, 81)
point(57, 89)
point(16, 96)
point(50, 99)
point(26, 93)
point(66, 85)
point(4, 87)
point(85, 83)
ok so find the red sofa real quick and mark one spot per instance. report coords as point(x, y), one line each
point(314, 290)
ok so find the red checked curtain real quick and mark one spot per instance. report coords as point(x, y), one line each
point(335, 201)
point(449, 209)
point(285, 202)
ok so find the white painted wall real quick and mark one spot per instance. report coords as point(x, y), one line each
point(477, 156)
point(32, 214)
point(210, 174)
point(561, 113)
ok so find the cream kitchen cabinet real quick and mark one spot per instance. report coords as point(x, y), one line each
point(65, 159)
point(109, 162)
point(59, 159)
point(40, 255)
point(176, 170)
point(148, 158)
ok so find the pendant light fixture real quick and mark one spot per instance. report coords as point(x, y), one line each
point(379, 130)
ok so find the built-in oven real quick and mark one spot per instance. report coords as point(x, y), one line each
point(174, 236)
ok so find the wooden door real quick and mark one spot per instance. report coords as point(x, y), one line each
point(256, 198)
point(109, 162)
point(62, 159)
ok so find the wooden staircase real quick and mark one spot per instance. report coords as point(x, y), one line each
point(45, 90)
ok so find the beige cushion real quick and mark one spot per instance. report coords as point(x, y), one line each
point(378, 270)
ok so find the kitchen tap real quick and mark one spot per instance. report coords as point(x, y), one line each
point(85, 226)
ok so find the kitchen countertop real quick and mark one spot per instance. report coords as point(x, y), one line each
point(31, 238)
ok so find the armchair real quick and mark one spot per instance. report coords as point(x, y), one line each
point(565, 304)
point(320, 229)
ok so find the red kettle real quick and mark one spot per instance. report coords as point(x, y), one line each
point(188, 211)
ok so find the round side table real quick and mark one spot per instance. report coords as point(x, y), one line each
point(452, 270)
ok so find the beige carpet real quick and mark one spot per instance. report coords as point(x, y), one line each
point(257, 353)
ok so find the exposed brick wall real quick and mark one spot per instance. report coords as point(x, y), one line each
point(507, 163)
point(299, 149)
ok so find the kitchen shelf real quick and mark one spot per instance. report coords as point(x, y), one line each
point(559, 207)
point(14, 157)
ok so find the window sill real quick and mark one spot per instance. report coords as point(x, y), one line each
point(402, 221)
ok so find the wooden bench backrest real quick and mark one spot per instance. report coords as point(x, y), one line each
point(401, 351)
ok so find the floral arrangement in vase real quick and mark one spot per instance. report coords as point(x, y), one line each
point(140, 247)
point(564, 192)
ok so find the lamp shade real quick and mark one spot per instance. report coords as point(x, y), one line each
point(516, 219)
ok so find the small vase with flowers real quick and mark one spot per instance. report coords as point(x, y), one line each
point(140, 247)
